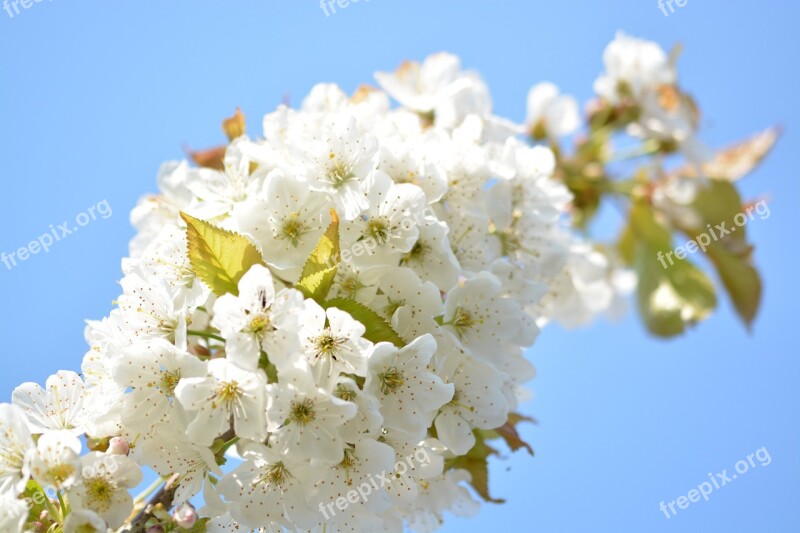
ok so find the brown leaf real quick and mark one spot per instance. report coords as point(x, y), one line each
point(476, 463)
point(362, 93)
point(508, 432)
point(215, 157)
point(736, 161)
point(210, 158)
point(234, 126)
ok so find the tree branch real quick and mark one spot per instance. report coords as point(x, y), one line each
point(164, 496)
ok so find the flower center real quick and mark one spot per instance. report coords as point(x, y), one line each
point(274, 475)
point(351, 285)
point(169, 380)
point(407, 177)
point(227, 392)
point(344, 393)
point(99, 491)
point(327, 344)
point(293, 228)
point(60, 473)
point(510, 241)
point(378, 229)
point(258, 324)
point(347, 464)
point(391, 380)
point(339, 174)
point(302, 412)
point(417, 252)
point(349, 460)
point(462, 320)
point(392, 306)
point(12, 456)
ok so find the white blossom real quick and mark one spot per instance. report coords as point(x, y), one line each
point(227, 394)
point(407, 391)
point(60, 405)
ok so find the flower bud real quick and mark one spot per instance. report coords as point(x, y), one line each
point(155, 529)
point(185, 515)
point(118, 446)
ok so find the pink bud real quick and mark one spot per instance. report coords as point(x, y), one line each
point(155, 529)
point(185, 515)
point(118, 446)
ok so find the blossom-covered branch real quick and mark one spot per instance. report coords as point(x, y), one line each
point(347, 297)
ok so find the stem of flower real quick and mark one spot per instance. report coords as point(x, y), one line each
point(649, 147)
point(164, 495)
point(204, 334)
point(220, 450)
point(63, 505)
point(148, 491)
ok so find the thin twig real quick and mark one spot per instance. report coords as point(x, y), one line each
point(164, 496)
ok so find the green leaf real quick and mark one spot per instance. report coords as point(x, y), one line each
point(378, 330)
point(626, 245)
point(219, 257)
point(200, 526)
point(476, 462)
point(320, 268)
point(672, 292)
point(741, 280)
point(38, 501)
point(270, 369)
point(731, 254)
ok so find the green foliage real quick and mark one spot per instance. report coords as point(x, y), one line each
point(378, 329)
point(731, 254)
point(201, 526)
point(672, 292)
point(320, 268)
point(35, 495)
point(219, 257)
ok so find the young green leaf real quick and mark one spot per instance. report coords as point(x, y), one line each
point(716, 204)
point(201, 526)
point(38, 501)
point(378, 330)
point(672, 292)
point(320, 268)
point(740, 278)
point(219, 257)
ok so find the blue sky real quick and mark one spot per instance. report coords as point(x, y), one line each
point(97, 94)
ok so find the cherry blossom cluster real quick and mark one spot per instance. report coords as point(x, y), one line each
point(453, 239)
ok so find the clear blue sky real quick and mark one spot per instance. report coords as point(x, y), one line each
point(95, 95)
